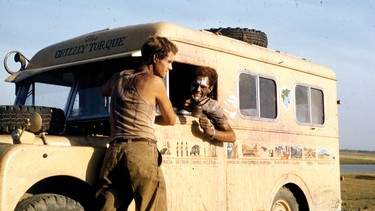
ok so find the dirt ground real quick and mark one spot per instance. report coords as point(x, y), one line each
point(358, 192)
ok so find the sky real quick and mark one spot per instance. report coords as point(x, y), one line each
point(339, 34)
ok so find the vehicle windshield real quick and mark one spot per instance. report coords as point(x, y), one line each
point(45, 90)
point(77, 91)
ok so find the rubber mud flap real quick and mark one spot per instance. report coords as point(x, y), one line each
point(14, 117)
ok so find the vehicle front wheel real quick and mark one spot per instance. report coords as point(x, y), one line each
point(284, 201)
point(48, 202)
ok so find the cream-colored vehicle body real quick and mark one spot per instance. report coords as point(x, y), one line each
point(286, 152)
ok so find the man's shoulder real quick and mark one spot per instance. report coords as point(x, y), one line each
point(151, 79)
point(127, 72)
point(212, 103)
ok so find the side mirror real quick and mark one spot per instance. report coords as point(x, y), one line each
point(18, 57)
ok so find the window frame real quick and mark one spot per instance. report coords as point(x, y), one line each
point(258, 101)
point(309, 93)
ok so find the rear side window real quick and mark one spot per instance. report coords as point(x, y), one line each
point(309, 105)
point(257, 96)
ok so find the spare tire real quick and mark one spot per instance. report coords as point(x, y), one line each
point(14, 117)
point(251, 36)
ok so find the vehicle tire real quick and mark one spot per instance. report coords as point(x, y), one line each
point(14, 117)
point(284, 201)
point(251, 36)
point(48, 202)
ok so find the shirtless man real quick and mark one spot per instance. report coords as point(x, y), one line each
point(131, 168)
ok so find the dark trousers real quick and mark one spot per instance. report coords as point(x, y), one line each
point(131, 171)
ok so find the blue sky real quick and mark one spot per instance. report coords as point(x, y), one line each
point(339, 34)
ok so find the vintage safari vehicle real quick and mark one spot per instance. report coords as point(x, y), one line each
point(283, 110)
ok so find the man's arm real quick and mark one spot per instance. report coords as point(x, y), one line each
point(107, 87)
point(168, 117)
point(222, 132)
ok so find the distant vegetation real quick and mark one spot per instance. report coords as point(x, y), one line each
point(357, 157)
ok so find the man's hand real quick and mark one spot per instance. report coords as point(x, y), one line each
point(187, 104)
point(224, 132)
point(207, 127)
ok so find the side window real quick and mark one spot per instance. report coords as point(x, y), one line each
point(268, 104)
point(309, 105)
point(88, 102)
point(257, 96)
point(248, 96)
point(178, 84)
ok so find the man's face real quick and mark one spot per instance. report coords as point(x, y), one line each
point(200, 88)
point(162, 66)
